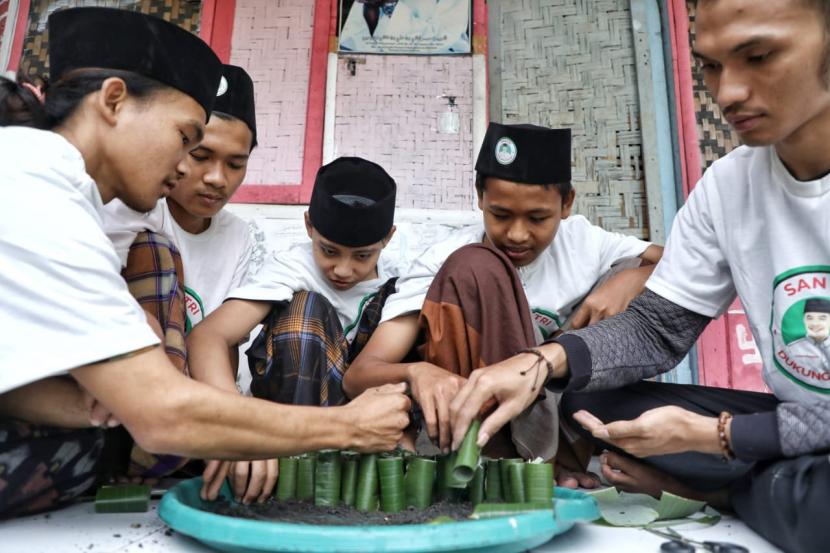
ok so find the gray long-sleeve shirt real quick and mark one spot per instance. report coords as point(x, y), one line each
point(650, 338)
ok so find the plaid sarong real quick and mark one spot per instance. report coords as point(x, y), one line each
point(44, 468)
point(301, 354)
point(155, 277)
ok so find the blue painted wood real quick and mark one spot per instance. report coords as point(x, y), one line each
point(660, 142)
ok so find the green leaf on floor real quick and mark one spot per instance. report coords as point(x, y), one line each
point(635, 509)
point(131, 498)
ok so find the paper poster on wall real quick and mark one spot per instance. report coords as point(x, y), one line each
point(405, 26)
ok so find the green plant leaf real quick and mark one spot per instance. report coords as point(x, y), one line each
point(130, 498)
point(635, 509)
point(287, 483)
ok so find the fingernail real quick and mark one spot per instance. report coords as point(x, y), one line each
point(483, 438)
point(445, 450)
point(112, 423)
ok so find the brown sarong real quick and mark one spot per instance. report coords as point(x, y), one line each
point(476, 314)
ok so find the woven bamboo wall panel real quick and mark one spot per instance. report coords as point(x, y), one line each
point(184, 13)
point(570, 63)
point(715, 136)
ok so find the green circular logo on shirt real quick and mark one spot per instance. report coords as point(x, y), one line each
point(800, 326)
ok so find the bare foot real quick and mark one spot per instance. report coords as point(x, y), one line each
point(630, 475)
point(574, 479)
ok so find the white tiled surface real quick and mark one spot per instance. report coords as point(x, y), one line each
point(79, 529)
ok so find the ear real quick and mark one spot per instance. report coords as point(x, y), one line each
point(389, 236)
point(568, 204)
point(309, 228)
point(111, 99)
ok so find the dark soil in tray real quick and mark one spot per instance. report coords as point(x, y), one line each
point(300, 512)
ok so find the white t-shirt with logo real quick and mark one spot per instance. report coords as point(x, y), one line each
point(750, 227)
point(293, 270)
point(215, 261)
point(63, 302)
point(554, 283)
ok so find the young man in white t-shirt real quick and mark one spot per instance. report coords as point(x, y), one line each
point(318, 302)
point(182, 258)
point(218, 249)
point(756, 225)
point(524, 273)
point(76, 350)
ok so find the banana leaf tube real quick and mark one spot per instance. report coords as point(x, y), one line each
point(305, 477)
point(538, 482)
point(390, 472)
point(287, 483)
point(366, 495)
point(505, 478)
point(131, 498)
point(492, 510)
point(327, 473)
point(516, 474)
point(477, 486)
point(418, 482)
point(467, 455)
point(349, 479)
point(492, 484)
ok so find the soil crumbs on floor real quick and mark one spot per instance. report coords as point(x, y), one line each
point(300, 512)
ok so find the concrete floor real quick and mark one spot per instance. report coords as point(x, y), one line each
point(79, 529)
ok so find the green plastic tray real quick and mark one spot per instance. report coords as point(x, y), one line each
point(184, 511)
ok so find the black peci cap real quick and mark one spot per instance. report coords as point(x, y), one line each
point(817, 305)
point(108, 38)
point(526, 153)
point(353, 202)
point(236, 97)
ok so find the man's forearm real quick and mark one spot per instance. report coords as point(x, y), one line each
point(209, 360)
point(368, 372)
point(57, 401)
point(647, 339)
point(167, 412)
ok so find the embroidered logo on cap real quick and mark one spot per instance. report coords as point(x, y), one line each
point(506, 151)
point(223, 86)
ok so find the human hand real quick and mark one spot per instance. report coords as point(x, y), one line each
point(612, 297)
point(99, 415)
point(250, 480)
point(513, 383)
point(378, 417)
point(659, 431)
point(434, 389)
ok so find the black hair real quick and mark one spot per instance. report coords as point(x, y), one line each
point(564, 188)
point(228, 117)
point(18, 106)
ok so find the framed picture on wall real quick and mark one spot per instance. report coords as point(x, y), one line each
point(427, 27)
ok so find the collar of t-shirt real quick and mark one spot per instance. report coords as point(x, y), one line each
point(804, 189)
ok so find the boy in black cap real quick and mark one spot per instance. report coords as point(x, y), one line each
point(214, 249)
point(528, 271)
point(128, 99)
point(318, 301)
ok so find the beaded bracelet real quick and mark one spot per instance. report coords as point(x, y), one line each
point(725, 448)
point(536, 365)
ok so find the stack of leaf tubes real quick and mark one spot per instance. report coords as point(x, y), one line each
point(393, 482)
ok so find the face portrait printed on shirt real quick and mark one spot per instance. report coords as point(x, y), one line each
point(524, 190)
point(350, 220)
point(132, 92)
point(801, 326)
point(766, 65)
point(216, 168)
